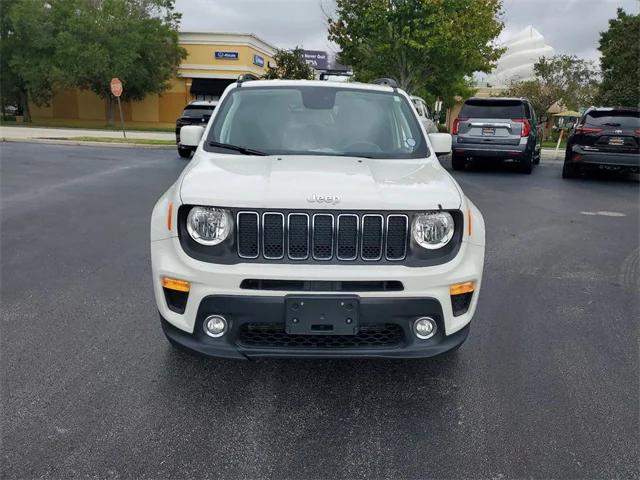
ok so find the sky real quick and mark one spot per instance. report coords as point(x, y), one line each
point(570, 26)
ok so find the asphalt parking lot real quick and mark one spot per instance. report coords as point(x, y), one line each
point(546, 386)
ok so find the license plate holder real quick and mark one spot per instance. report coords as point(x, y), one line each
point(322, 315)
point(488, 131)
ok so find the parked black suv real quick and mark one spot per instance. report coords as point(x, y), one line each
point(196, 113)
point(503, 128)
point(604, 137)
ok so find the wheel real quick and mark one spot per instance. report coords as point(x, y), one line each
point(458, 163)
point(536, 159)
point(526, 165)
point(570, 170)
point(184, 152)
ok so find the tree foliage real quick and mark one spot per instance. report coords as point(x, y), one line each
point(289, 64)
point(428, 46)
point(84, 44)
point(566, 79)
point(620, 61)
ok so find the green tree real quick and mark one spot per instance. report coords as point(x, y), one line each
point(620, 61)
point(84, 44)
point(9, 82)
point(289, 64)
point(567, 79)
point(428, 46)
point(29, 29)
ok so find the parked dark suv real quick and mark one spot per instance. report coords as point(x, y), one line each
point(604, 137)
point(503, 128)
point(196, 113)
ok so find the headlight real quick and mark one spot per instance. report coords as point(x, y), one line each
point(433, 230)
point(208, 225)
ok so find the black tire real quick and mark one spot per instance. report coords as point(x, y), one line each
point(185, 152)
point(570, 170)
point(536, 159)
point(458, 163)
point(526, 165)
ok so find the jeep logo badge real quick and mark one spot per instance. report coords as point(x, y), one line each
point(331, 199)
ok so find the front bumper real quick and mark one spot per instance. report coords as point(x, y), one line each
point(385, 331)
point(425, 291)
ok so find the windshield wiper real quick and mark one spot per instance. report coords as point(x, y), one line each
point(237, 148)
point(609, 124)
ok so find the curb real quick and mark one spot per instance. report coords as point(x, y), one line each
point(52, 141)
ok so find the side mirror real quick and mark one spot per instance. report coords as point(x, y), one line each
point(190, 135)
point(441, 143)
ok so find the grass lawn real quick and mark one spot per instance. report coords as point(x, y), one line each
point(91, 124)
point(552, 144)
point(139, 141)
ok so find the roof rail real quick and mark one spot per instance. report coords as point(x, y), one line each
point(387, 82)
point(244, 77)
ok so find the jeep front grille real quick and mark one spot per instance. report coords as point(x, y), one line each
point(322, 236)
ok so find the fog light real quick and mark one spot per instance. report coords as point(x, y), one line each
point(424, 327)
point(215, 326)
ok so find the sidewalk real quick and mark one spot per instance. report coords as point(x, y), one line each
point(35, 133)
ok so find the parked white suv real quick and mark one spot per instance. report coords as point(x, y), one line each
point(424, 112)
point(315, 220)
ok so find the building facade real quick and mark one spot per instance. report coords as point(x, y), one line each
point(214, 60)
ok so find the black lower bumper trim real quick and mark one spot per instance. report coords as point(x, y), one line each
point(388, 321)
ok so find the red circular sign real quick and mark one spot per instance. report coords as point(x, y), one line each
point(116, 87)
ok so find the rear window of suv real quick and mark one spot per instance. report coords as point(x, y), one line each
point(198, 111)
point(492, 109)
point(613, 118)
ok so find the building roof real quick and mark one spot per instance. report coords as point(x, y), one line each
point(226, 38)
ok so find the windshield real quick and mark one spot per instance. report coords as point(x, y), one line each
point(309, 120)
point(198, 111)
point(492, 109)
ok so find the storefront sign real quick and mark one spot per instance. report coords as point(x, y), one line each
point(258, 60)
point(227, 55)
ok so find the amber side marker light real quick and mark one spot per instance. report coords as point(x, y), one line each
point(469, 217)
point(170, 216)
point(175, 284)
point(460, 288)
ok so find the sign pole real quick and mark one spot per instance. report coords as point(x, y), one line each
point(124, 134)
point(116, 91)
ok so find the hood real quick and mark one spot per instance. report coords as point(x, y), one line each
point(317, 182)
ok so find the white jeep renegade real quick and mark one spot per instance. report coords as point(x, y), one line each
point(316, 221)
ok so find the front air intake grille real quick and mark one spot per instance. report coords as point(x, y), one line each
point(248, 234)
point(322, 237)
point(397, 232)
point(273, 335)
point(298, 236)
point(322, 285)
point(372, 237)
point(273, 236)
